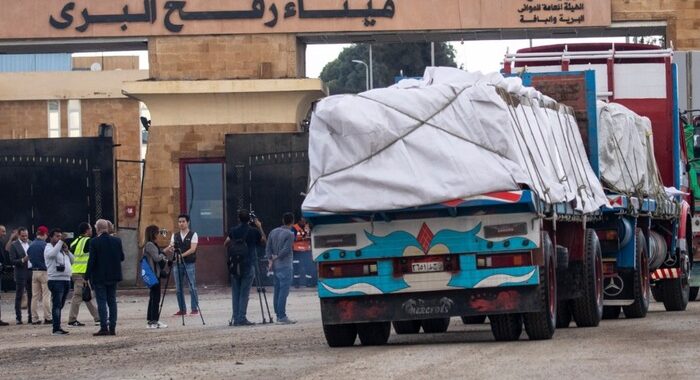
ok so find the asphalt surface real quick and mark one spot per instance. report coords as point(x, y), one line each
point(662, 345)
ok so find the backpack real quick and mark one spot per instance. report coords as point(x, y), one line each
point(238, 255)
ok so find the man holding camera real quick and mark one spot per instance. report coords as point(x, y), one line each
point(104, 271)
point(23, 273)
point(184, 247)
point(59, 270)
point(247, 236)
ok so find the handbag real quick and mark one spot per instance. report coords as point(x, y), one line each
point(147, 274)
point(87, 292)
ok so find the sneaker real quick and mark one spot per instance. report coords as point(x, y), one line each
point(37, 322)
point(60, 332)
point(161, 325)
point(75, 324)
point(246, 323)
point(19, 322)
point(151, 325)
point(4, 323)
point(285, 321)
point(179, 313)
point(101, 333)
point(194, 312)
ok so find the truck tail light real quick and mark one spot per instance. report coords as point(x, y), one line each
point(504, 260)
point(426, 264)
point(349, 269)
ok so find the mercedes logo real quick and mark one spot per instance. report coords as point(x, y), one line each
point(614, 286)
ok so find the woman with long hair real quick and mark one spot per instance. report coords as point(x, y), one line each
point(157, 261)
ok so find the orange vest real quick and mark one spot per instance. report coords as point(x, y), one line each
point(302, 241)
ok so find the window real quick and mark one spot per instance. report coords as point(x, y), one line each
point(54, 108)
point(202, 197)
point(74, 121)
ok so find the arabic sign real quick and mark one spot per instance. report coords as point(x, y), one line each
point(143, 18)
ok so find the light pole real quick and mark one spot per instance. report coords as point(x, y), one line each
point(366, 71)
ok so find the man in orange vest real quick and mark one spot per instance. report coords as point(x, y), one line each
point(306, 272)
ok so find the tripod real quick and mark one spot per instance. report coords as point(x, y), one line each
point(177, 257)
point(261, 290)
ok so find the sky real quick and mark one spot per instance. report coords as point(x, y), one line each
point(484, 56)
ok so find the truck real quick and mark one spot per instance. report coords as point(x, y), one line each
point(646, 237)
point(690, 120)
point(415, 219)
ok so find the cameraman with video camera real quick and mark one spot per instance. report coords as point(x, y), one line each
point(59, 262)
point(241, 244)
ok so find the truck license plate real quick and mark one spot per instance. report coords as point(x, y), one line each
point(436, 266)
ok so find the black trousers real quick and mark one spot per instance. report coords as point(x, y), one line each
point(153, 303)
point(23, 281)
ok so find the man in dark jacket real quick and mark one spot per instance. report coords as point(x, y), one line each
point(23, 274)
point(104, 271)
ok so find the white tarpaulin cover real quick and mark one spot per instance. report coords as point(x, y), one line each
point(626, 151)
point(452, 135)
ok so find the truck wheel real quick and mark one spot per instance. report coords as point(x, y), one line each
point(694, 293)
point(506, 327)
point(563, 314)
point(588, 309)
point(406, 327)
point(438, 325)
point(475, 320)
point(340, 335)
point(640, 280)
point(611, 312)
point(676, 292)
point(541, 325)
point(374, 333)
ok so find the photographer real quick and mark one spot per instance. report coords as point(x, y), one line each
point(59, 262)
point(184, 247)
point(157, 260)
point(241, 244)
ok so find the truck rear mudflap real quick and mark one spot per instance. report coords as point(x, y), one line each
point(429, 305)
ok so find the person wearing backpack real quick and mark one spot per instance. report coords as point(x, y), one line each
point(241, 245)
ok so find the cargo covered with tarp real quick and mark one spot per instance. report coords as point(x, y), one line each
point(451, 135)
point(626, 152)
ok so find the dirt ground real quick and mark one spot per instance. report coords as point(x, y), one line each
point(661, 345)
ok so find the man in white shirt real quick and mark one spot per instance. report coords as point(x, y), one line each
point(23, 276)
point(59, 270)
point(184, 246)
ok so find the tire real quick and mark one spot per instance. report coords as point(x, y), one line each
point(406, 327)
point(374, 334)
point(438, 325)
point(475, 320)
point(676, 292)
point(657, 294)
point(640, 282)
point(563, 315)
point(340, 335)
point(541, 325)
point(588, 309)
point(611, 312)
point(506, 327)
point(694, 293)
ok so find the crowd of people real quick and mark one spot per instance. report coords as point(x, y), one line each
point(45, 268)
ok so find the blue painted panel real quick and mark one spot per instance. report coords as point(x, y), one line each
point(626, 257)
point(35, 62)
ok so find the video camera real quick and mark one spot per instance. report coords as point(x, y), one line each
point(253, 218)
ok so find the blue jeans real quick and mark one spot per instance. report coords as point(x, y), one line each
point(283, 281)
point(106, 295)
point(240, 292)
point(180, 279)
point(59, 292)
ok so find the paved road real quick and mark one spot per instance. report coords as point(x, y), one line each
point(663, 345)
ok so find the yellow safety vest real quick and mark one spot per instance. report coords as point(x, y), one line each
point(77, 246)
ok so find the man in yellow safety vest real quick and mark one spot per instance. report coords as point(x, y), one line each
point(79, 247)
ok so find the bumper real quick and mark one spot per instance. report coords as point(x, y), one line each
point(427, 305)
